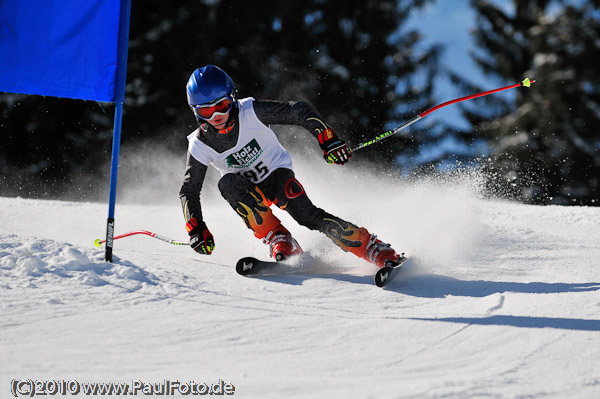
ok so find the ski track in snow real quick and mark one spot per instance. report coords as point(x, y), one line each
point(497, 300)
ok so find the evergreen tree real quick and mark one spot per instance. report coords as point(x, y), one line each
point(544, 140)
point(363, 63)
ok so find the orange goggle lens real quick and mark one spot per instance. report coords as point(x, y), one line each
point(221, 106)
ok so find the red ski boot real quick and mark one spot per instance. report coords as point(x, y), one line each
point(365, 245)
point(282, 244)
point(380, 253)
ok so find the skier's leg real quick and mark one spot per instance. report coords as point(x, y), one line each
point(347, 236)
point(359, 241)
point(249, 201)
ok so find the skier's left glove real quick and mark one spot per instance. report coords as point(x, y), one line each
point(335, 150)
point(201, 240)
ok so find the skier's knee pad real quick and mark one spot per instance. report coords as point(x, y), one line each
point(250, 203)
point(257, 216)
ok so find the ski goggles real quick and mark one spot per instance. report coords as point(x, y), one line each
point(219, 107)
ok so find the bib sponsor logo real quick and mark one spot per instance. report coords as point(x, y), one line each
point(246, 156)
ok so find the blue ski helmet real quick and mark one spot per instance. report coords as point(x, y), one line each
point(208, 84)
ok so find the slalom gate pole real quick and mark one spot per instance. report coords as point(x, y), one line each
point(526, 83)
point(99, 242)
point(120, 77)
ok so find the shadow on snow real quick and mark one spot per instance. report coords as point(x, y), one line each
point(409, 282)
point(523, 321)
point(437, 286)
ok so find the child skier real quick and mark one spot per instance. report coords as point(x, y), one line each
point(256, 170)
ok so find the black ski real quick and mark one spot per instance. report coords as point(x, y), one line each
point(249, 265)
point(387, 273)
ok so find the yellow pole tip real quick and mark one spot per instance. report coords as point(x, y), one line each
point(527, 82)
point(97, 243)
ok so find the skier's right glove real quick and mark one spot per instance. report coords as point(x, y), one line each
point(335, 150)
point(201, 240)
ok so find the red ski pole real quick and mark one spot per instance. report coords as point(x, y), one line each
point(526, 82)
point(99, 242)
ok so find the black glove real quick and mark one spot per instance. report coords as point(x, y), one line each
point(201, 240)
point(334, 149)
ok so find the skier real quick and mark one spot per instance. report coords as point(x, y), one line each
point(234, 136)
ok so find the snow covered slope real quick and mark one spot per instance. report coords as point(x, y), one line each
point(498, 300)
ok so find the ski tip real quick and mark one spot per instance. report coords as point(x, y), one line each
point(382, 275)
point(97, 242)
point(246, 265)
point(527, 82)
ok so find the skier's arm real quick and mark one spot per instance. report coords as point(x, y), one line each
point(298, 113)
point(191, 187)
point(201, 239)
point(303, 114)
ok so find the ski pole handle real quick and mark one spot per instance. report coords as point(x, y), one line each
point(386, 134)
point(525, 82)
point(99, 242)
